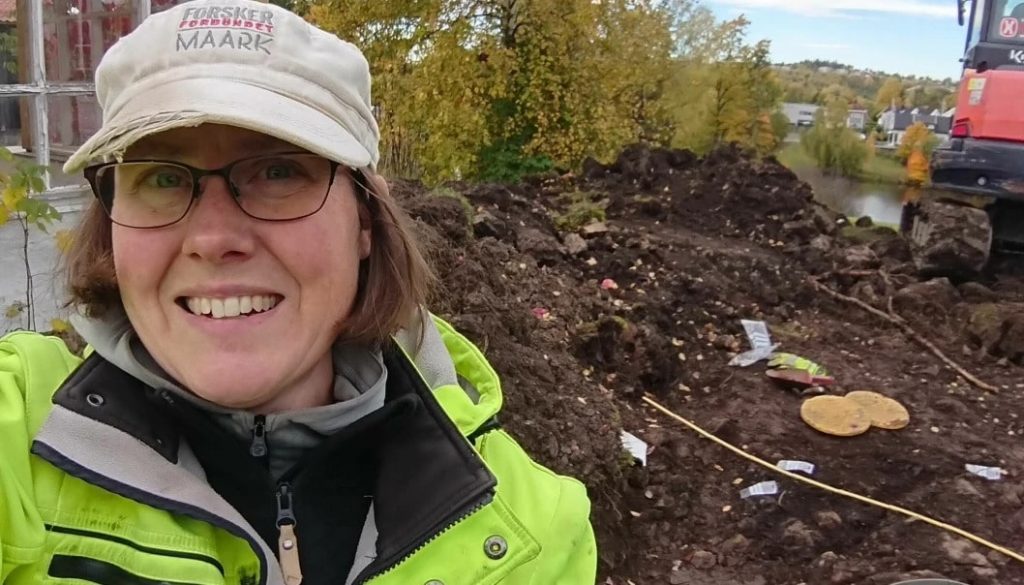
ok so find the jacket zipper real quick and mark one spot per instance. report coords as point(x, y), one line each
point(393, 564)
point(134, 545)
point(287, 541)
point(258, 447)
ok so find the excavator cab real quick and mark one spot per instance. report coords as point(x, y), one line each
point(977, 175)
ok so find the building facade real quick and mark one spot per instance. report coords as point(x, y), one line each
point(50, 50)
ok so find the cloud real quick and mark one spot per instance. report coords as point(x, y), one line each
point(850, 8)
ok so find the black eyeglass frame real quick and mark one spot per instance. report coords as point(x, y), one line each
point(107, 201)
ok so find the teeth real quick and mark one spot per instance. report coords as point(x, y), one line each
point(231, 306)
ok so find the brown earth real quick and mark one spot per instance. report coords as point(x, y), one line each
point(695, 245)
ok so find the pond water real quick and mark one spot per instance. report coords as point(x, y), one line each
point(883, 202)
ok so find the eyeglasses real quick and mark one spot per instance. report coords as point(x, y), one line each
point(148, 194)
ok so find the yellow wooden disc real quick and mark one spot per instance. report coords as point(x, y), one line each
point(835, 415)
point(884, 412)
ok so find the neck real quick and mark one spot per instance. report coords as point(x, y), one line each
point(314, 389)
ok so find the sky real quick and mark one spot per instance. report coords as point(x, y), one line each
point(919, 37)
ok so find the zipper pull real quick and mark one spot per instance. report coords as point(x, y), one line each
point(258, 448)
point(287, 541)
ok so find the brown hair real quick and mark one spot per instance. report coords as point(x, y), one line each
point(394, 280)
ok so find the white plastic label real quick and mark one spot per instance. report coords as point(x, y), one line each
point(989, 473)
point(803, 466)
point(636, 447)
point(765, 488)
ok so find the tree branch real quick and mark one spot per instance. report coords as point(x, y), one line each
point(902, 324)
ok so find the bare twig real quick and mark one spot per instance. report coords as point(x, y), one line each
point(902, 324)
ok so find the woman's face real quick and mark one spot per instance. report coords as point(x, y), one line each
point(307, 269)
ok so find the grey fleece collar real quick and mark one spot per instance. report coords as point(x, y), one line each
point(359, 384)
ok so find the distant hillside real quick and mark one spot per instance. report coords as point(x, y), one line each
point(814, 81)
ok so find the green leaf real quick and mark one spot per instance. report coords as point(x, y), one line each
point(38, 184)
point(6, 155)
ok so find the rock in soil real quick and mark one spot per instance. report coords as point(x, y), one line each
point(933, 297)
point(950, 239)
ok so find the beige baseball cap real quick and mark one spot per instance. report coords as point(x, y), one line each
point(239, 63)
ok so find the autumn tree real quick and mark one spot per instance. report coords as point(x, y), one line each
point(19, 183)
point(835, 147)
point(890, 94)
point(494, 89)
point(917, 138)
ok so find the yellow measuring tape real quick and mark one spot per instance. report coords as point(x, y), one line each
point(863, 499)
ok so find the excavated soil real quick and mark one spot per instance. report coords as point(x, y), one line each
point(691, 246)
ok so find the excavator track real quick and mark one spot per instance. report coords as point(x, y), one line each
point(947, 238)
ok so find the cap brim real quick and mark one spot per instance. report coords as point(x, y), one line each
point(193, 102)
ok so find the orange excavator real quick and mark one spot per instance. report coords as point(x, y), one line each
point(978, 174)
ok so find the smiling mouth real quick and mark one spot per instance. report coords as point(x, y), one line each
point(229, 307)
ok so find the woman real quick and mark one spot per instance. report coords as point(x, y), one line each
point(264, 401)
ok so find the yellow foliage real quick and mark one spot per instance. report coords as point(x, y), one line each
point(59, 326)
point(890, 94)
point(917, 138)
point(917, 168)
point(14, 310)
point(459, 85)
point(64, 239)
point(11, 196)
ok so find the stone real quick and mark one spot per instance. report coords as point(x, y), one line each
point(595, 228)
point(486, 225)
point(801, 230)
point(822, 243)
point(936, 296)
point(703, 560)
point(892, 248)
point(977, 292)
point(796, 535)
point(963, 487)
point(985, 572)
point(893, 577)
point(737, 545)
point(860, 257)
point(545, 248)
point(950, 239)
point(864, 222)
point(824, 219)
point(574, 244)
point(998, 328)
point(827, 520)
point(963, 552)
point(727, 342)
point(1009, 494)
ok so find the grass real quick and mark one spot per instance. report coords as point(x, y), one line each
point(883, 168)
point(584, 207)
point(794, 157)
point(880, 168)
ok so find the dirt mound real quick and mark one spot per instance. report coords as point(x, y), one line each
point(589, 291)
